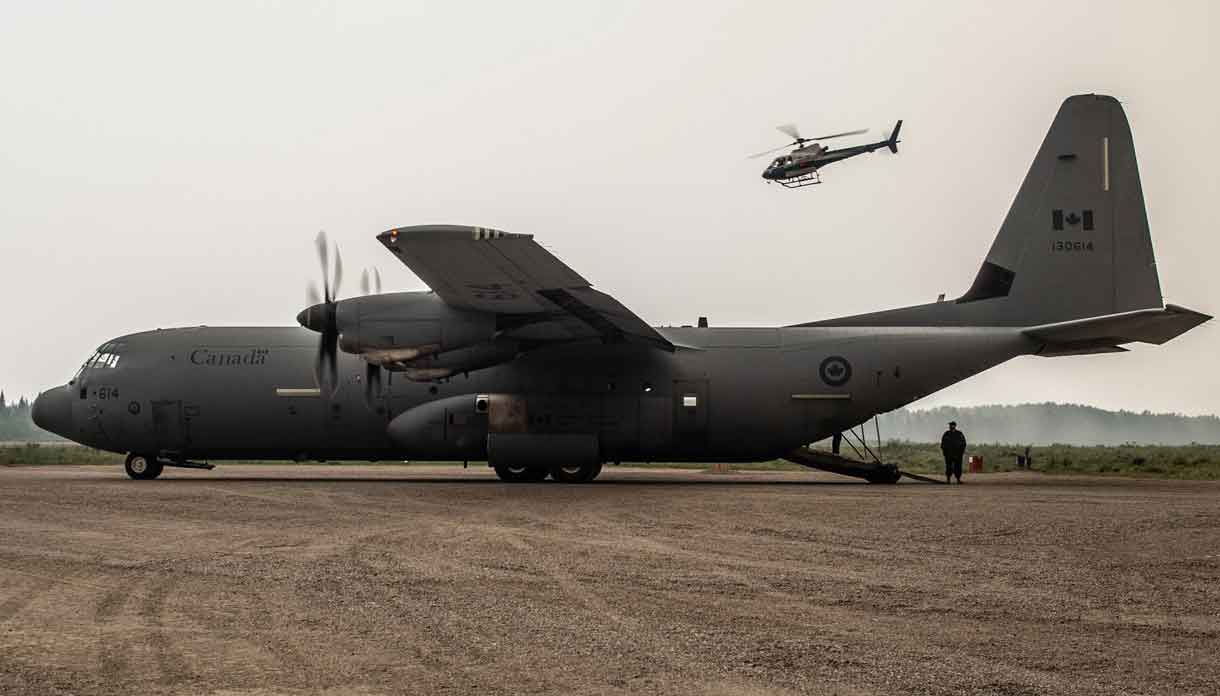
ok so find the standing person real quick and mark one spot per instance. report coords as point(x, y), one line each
point(953, 446)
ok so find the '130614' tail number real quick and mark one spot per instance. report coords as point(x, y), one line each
point(1070, 245)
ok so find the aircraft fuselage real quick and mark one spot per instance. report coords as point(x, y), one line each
point(725, 395)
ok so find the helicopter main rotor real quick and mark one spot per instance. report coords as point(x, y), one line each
point(790, 130)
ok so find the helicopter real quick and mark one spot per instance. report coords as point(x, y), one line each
point(800, 167)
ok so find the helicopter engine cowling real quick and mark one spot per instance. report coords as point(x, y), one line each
point(400, 327)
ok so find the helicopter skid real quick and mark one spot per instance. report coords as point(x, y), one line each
point(801, 181)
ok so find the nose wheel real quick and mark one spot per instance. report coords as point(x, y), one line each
point(143, 467)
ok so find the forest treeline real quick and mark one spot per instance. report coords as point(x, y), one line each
point(1050, 423)
point(16, 423)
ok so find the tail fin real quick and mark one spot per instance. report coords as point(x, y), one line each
point(1075, 243)
point(892, 143)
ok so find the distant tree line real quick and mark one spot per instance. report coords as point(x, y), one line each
point(1051, 423)
point(16, 423)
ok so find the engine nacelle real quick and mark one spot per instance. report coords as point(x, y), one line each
point(403, 326)
point(451, 362)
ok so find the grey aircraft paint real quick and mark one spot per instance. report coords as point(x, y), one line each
point(514, 358)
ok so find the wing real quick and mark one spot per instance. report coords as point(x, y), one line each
point(512, 276)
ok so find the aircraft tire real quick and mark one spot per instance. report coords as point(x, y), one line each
point(520, 474)
point(142, 467)
point(576, 474)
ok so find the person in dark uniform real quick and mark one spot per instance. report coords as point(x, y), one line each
point(953, 446)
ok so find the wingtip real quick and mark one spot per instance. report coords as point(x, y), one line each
point(445, 233)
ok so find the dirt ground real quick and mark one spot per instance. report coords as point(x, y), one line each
point(388, 579)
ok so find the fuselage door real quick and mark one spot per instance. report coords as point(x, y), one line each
point(168, 426)
point(690, 415)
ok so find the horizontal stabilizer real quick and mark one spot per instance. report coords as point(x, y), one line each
point(1104, 334)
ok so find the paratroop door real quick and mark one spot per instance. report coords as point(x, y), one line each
point(690, 415)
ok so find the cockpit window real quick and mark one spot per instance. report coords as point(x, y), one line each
point(102, 359)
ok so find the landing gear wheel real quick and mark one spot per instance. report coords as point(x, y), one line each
point(520, 474)
point(582, 473)
point(143, 467)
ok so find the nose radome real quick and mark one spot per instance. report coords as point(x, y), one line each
point(52, 411)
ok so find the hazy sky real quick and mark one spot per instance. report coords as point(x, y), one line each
point(169, 164)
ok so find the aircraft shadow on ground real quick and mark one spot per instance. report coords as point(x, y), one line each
point(433, 481)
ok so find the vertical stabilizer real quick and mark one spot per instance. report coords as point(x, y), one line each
point(1075, 242)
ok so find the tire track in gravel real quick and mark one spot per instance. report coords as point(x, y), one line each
point(437, 650)
point(115, 664)
point(19, 598)
point(174, 666)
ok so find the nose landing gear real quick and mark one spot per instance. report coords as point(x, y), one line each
point(143, 467)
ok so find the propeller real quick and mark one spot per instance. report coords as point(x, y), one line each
point(320, 316)
point(790, 130)
point(372, 371)
point(372, 384)
point(364, 282)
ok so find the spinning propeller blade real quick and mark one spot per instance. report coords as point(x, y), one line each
point(372, 385)
point(320, 316)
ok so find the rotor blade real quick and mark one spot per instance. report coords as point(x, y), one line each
point(376, 280)
point(311, 293)
point(338, 271)
point(840, 135)
point(323, 255)
point(789, 129)
point(364, 282)
point(767, 152)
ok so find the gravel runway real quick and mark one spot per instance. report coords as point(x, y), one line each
point(396, 579)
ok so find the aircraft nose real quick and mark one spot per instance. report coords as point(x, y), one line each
point(52, 411)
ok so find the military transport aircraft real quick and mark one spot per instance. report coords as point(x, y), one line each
point(514, 359)
point(800, 167)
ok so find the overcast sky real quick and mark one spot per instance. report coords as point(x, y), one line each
point(168, 164)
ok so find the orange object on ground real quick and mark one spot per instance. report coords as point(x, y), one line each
point(975, 464)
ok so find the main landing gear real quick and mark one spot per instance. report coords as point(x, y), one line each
point(580, 473)
point(143, 467)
